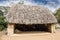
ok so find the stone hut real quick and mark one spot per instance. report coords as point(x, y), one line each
point(29, 15)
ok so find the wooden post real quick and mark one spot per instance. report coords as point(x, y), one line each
point(10, 29)
point(52, 28)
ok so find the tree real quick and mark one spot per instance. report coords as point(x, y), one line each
point(57, 14)
point(2, 21)
point(1, 13)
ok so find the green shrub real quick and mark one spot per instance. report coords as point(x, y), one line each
point(1, 27)
point(57, 14)
point(3, 23)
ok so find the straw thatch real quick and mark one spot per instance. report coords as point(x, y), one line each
point(25, 14)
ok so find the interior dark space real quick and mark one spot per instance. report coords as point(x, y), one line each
point(29, 27)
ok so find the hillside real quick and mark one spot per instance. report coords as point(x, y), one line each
point(4, 9)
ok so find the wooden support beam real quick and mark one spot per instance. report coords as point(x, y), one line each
point(52, 28)
point(10, 29)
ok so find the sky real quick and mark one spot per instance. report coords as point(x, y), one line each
point(50, 4)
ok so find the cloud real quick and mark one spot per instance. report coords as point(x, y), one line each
point(51, 4)
point(7, 2)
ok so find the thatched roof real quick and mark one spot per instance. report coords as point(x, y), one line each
point(27, 14)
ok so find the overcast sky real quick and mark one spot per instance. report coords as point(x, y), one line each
point(51, 4)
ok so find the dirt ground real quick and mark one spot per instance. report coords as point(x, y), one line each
point(33, 36)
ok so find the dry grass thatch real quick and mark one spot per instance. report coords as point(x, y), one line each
point(25, 14)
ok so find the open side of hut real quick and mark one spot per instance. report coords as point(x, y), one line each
point(21, 15)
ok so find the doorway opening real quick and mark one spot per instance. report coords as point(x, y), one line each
point(21, 28)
